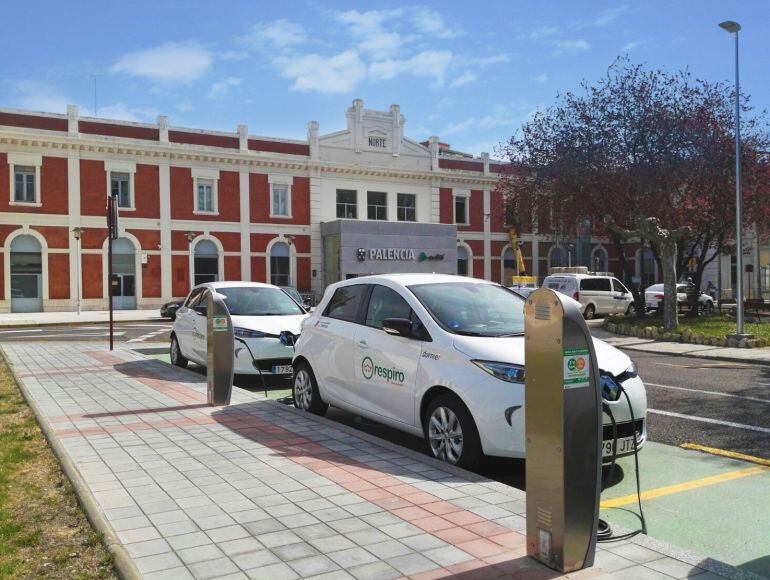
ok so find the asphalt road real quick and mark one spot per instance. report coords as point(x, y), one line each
point(123, 332)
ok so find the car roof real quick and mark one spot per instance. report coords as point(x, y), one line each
point(235, 284)
point(568, 275)
point(412, 279)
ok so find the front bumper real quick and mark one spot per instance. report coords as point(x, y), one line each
point(269, 352)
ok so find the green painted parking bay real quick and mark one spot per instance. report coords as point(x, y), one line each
point(704, 503)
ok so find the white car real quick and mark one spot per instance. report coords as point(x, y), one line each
point(441, 357)
point(598, 294)
point(653, 299)
point(260, 312)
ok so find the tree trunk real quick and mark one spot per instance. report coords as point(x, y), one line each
point(670, 307)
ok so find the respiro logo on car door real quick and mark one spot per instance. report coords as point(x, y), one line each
point(369, 369)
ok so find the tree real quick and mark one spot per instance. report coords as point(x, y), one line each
point(642, 154)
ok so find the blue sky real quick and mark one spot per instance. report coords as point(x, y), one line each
point(469, 73)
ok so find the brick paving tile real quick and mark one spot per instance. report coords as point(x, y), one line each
point(279, 571)
point(213, 568)
point(374, 571)
point(409, 564)
point(313, 566)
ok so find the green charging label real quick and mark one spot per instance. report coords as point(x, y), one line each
point(577, 366)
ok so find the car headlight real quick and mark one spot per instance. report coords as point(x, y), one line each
point(631, 371)
point(248, 333)
point(504, 371)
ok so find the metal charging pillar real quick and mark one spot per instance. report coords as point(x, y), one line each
point(220, 351)
point(563, 431)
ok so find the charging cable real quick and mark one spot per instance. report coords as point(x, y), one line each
point(604, 533)
point(254, 363)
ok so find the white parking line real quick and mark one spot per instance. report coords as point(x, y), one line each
point(709, 392)
point(75, 336)
point(149, 335)
point(713, 421)
point(24, 330)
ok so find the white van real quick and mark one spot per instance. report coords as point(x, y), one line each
point(599, 293)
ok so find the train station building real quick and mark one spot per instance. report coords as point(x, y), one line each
point(201, 205)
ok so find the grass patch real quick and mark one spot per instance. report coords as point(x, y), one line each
point(43, 532)
point(716, 326)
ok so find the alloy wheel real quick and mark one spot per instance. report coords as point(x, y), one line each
point(174, 351)
point(445, 435)
point(303, 390)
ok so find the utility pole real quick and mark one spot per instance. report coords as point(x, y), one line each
point(112, 234)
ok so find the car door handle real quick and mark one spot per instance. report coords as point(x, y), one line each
point(363, 344)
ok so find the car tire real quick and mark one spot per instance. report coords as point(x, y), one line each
point(304, 391)
point(445, 418)
point(590, 312)
point(631, 310)
point(177, 358)
point(708, 308)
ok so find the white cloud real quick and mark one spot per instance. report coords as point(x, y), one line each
point(36, 96)
point(234, 55)
point(507, 116)
point(542, 79)
point(167, 63)
point(326, 74)
point(428, 63)
point(609, 15)
point(122, 112)
point(492, 59)
point(220, 88)
point(280, 34)
point(432, 23)
point(464, 79)
point(544, 32)
point(633, 45)
point(576, 45)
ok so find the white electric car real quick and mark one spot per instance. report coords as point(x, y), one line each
point(440, 357)
point(260, 312)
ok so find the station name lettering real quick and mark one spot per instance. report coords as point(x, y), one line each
point(390, 254)
point(377, 142)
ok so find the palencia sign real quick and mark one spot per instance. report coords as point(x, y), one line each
point(402, 254)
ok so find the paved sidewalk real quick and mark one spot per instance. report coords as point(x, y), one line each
point(260, 490)
point(86, 316)
point(749, 355)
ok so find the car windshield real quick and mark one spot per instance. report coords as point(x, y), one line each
point(293, 293)
point(655, 288)
point(256, 301)
point(473, 309)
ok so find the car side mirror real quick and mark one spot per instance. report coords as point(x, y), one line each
point(200, 310)
point(398, 326)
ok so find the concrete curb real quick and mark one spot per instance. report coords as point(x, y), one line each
point(122, 561)
point(717, 357)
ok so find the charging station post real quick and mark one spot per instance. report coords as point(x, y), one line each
point(220, 352)
point(563, 433)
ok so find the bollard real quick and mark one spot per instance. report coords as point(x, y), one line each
point(220, 351)
point(563, 431)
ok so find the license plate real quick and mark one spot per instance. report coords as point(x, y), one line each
point(283, 370)
point(625, 445)
point(652, 304)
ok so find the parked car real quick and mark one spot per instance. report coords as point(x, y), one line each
point(597, 294)
point(440, 357)
point(260, 312)
point(653, 299)
point(296, 296)
point(168, 310)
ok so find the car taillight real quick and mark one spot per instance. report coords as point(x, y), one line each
point(576, 296)
point(659, 296)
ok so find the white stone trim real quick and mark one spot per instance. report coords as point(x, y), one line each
point(245, 213)
point(208, 174)
point(25, 159)
point(594, 251)
point(280, 179)
point(25, 230)
point(292, 259)
point(465, 193)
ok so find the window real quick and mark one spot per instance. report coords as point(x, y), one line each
point(205, 198)
point(406, 207)
point(251, 301)
point(346, 204)
point(120, 188)
point(462, 261)
point(280, 205)
point(346, 302)
point(386, 303)
point(461, 210)
point(595, 284)
point(279, 264)
point(617, 286)
point(194, 295)
point(24, 184)
point(377, 205)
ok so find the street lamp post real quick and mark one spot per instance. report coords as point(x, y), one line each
point(191, 261)
point(733, 28)
point(77, 233)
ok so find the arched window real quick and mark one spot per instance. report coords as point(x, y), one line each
point(556, 257)
point(462, 261)
point(206, 262)
point(26, 274)
point(280, 264)
point(599, 260)
point(124, 272)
